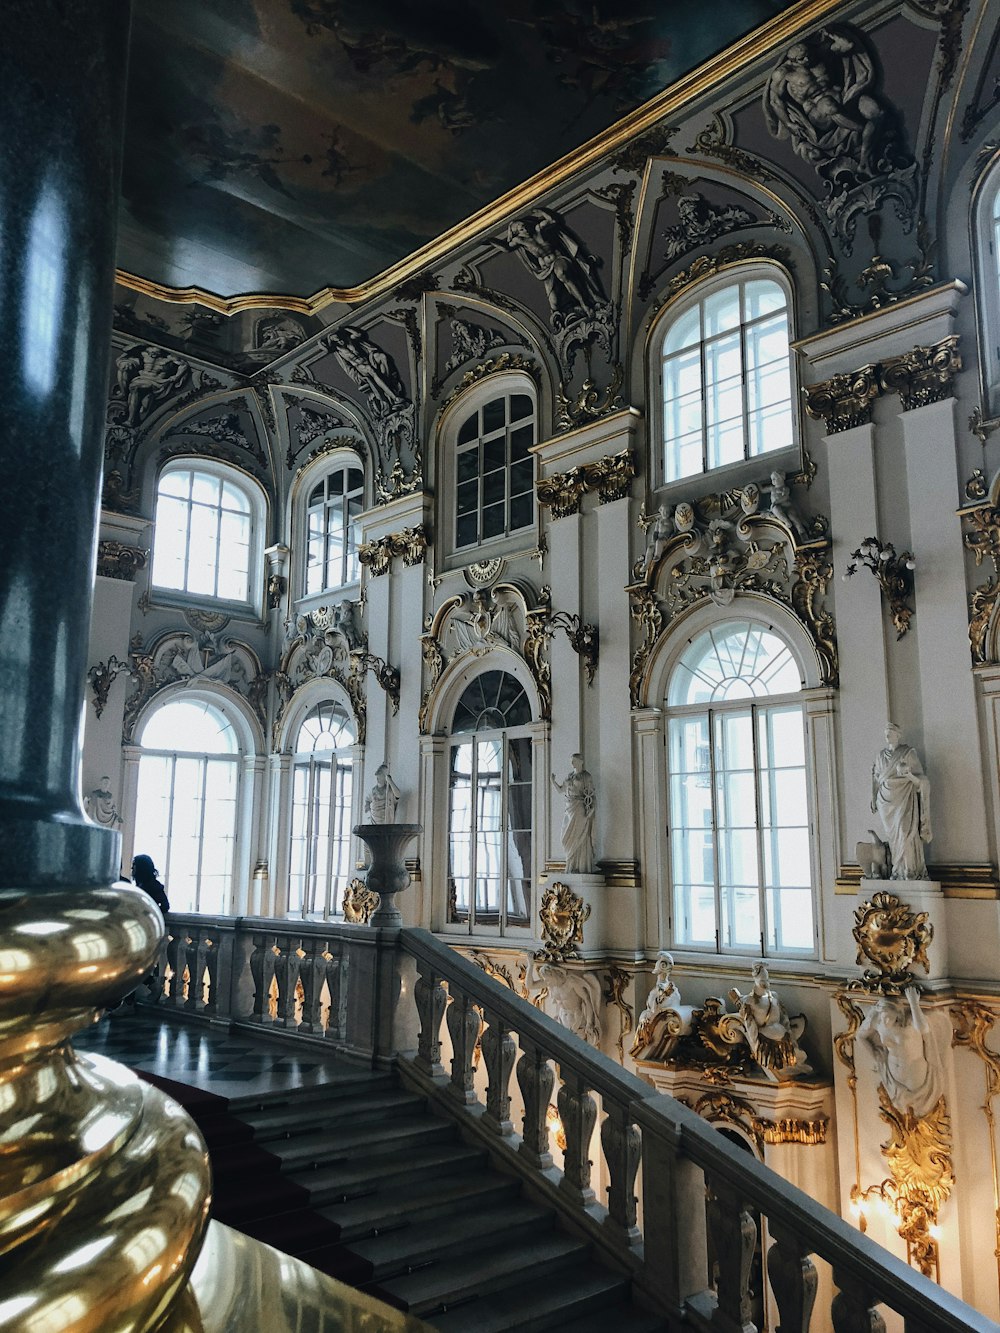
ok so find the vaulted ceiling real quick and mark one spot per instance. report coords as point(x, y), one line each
point(283, 146)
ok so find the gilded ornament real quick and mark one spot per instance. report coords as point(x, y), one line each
point(982, 538)
point(894, 574)
point(705, 266)
point(494, 365)
point(589, 403)
point(611, 476)
point(484, 572)
point(117, 560)
point(977, 487)
point(359, 903)
point(375, 556)
point(844, 401)
point(497, 971)
point(982, 429)
point(562, 916)
point(892, 937)
point(102, 676)
point(973, 1024)
point(922, 375)
point(615, 983)
point(562, 492)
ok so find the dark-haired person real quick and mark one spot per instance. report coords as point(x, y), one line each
point(145, 877)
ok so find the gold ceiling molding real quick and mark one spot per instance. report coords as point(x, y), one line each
point(957, 881)
point(704, 79)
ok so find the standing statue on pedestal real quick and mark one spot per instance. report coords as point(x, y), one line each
point(578, 820)
point(380, 803)
point(901, 798)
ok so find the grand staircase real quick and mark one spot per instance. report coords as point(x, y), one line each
point(358, 1177)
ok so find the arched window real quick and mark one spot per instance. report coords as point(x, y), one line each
point(738, 794)
point(726, 377)
point(988, 291)
point(331, 544)
point(207, 529)
point(187, 800)
point(322, 790)
point(494, 470)
point(489, 806)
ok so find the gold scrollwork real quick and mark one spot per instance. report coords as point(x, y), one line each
point(973, 1024)
point(493, 366)
point(588, 404)
point(562, 492)
point(895, 939)
point(648, 614)
point(614, 993)
point(359, 903)
point(409, 543)
point(982, 538)
point(922, 375)
point(118, 560)
point(562, 916)
point(844, 401)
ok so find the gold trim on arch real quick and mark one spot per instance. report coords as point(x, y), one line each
point(698, 82)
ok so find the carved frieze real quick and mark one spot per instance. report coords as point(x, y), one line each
point(118, 560)
point(611, 477)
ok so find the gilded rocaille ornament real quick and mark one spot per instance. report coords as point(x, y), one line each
point(893, 938)
point(359, 903)
point(562, 916)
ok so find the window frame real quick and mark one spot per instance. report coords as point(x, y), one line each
point(694, 298)
point(249, 488)
point(237, 758)
point(986, 246)
point(472, 924)
point(505, 384)
point(756, 706)
point(348, 533)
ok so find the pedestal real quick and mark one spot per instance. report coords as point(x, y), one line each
point(592, 890)
point(918, 896)
point(387, 875)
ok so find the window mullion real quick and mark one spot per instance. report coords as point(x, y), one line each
point(713, 788)
point(170, 815)
point(473, 832)
point(201, 827)
point(757, 787)
point(744, 405)
point(504, 838)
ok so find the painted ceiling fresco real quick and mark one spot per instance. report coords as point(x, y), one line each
point(287, 145)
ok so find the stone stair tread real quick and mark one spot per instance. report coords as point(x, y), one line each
point(450, 1280)
point(364, 1104)
point(347, 1083)
point(324, 1148)
point(393, 1252)
point(555, 1302)
point(621, 1318)
point(368, 1175)
point(423, 1201)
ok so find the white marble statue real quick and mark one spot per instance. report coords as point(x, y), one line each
point(381, 801)
point(574, 1000)
point(578, 820)
point(783, 507)
point(664, 1019)
point(901, 798)
point(906, 1059)
point(661, 529)
point(772, 1036)
point(100, 804)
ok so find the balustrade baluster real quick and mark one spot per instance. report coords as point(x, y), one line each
point(734, 1238)
point(312, 969)
point(535, 1078)
point(262, 971)
point(463, 1025)
point(621, 1142)
point(286, 971)
point(430, 997)
point(177, 958)
point(793, 1279)
point(499, 1052)
point(578, 1113)
point(211, 966)
point(854, 1308)
point(194, 952)
point(337, 962)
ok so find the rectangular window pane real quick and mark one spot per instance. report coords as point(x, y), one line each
point(467, 464)
point(493, 521)
point(494, 454)
point(494, 415)
point(494, 487)
point(521, 511)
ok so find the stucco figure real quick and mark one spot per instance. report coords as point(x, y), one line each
point(145, 376)
point(901, 798)
point(663, 1019)
point(100, 804)
point(771, 1034)
point(381, 801)
point(552, 254)
point(580, 792)
point(783, 507)
point(574, 1000)
point(660, 531)
point(906, 1059)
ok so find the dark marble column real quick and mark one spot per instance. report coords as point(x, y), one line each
point(62, 98)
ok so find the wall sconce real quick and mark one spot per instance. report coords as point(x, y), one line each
point(894, 574)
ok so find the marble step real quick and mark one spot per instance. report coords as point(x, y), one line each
point(325, 1147)
point(451, 1280)
point(414, 1246)
point(560, 1301)
point(363, 1107)
point(423, 1202)
point(347, 1083)
point(622, 1319)
point(390, 1172)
